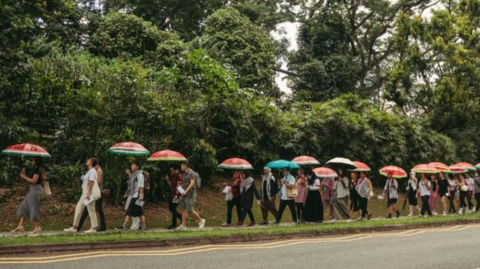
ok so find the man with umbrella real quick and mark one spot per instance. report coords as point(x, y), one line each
point(288, 182)
point(391, 189)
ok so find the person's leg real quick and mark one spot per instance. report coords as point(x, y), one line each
point(283, 204)
point(238, 206)
point(126, 221)
point(184, 218)
point(361, 203)
point(195, 215)
point(78, 212)
point(264, 208)
point(298, 207)
point(243, 217)
point(251, 216)
point(229, 211)
point(93, 215)
point(422, 212)
point(173, 209)
point(272, 207)
point(469, 201)
point(99, 209)
point(82, 219)
point(291, 206)
point(429, 211)
point(477, 198)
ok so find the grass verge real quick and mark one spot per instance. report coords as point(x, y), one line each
point(221, 233)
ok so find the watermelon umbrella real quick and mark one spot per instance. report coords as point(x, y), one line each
point(477, 166)
point(236, 164)
point(323, 172)
point(26, 149)
point(361, 167)
point(342, 163)
point(425, 169)
point(305, 160)
point(468, 166)
point(397, 172)
point(457, 169)
point(280, 164)
point(440, 166)
point(129, 149)
point(167, 156)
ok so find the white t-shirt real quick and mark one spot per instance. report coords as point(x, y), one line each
point(423, 188)
point(91, 175)
point(139, 183)
point(470, 182)
point(290, 180)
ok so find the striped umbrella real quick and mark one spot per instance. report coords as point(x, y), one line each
point(457, 169)
point(305, 160)
point(129, 149)
point(323, 172)
point(396, 171)
point(477, 166)
point(425, 169)
point(236, 164)
point(361, 167)
point(26, 149)
point(167, 156)
point(468, 166)
point(440, 166)
point(342, 163)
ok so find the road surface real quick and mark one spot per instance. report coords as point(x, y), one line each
point(450, 247)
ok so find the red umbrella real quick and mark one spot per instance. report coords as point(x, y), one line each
point(129, 149)
point(167, 155)
point(305, 160)
point(457, 169)
point(396, 171)
point(361, 167)
point(236, 163)
point(324, 172)
point(440, 166)
point(468, 166)
point(26, 149)
point(425, 169)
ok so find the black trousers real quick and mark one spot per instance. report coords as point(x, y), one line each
point(469, 200)
point(172, 207)
point(463, 195)
point(451, 199)
point(291, 206)
point(99, 210)
point(477, 198)
point(363, 203)
point(245, 212)
point(300, 210)
point(235, 202)
point(425, 205)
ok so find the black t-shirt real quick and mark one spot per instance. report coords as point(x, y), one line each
point(443, 186)
point(434, 185)
point(36, 171)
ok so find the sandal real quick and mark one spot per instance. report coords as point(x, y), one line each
point(19, 229)
point(36, 231)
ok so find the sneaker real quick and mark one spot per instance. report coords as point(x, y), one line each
point(349, 220)
point(201, 224)
point(181, 228)
point(460, 212)
point(36, 231)
point(435, 213)
point(389, 217)
point(360, 219)
point(410, 215)
point(398, 214)
point(90, 231)
point(444, 213)
point(70, 230)
point(333, 220)
point(264, 223)
point(369, 216)
point(102, 229)
point(252, 224)
point(239, 225)
point(274, 222)
point(225, 224)
point(171, 227)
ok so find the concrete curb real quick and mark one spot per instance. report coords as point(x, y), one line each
point(71, 247)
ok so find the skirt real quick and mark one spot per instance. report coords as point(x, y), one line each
point(133, 209)
point(412, 199)
point(313, 207)
point(354, 201)
point(30, 207)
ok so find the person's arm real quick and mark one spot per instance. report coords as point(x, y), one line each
point(429, 185)
point(385, 189)
point(167, 179)
point(370, 187)
point(289, 185)
point(141, 184)
point(190, 186)
point(29, 180)
point(100, 177)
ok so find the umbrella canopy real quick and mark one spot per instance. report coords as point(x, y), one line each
point(396, 171)
point(425, 169)
point(440, 166)
point(236, 164)
point(26, 149)
point(477, 166)
point(468, 166)
point(342, 163)
point(280, 164)
point(129, 149)
point(306, 160)
point(323, 172)
point(361, 167)
point(167, 156)
point(457, 169)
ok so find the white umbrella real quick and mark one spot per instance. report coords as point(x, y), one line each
point(342, 163)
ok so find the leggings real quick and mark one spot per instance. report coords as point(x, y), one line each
point(434, 202)
point(425, 206)
point(300, 210)
point(363, 202)
point(451, 199)
point(463, 195)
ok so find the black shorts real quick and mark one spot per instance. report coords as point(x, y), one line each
point(392, 201)
point(133, 209)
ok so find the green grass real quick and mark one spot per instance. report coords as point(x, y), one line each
point(221, 233)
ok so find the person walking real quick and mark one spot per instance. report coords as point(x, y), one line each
point(98, 204)
point(189, 197)
point(443, 192)
point(135, 195)
point(236, 198)
point(302, 195)
point(391, 190)
point(354, 198)
point(174, 179)
point(88, 182)
point(342, 212)
point(288, 182)
point(412, 187)
point(453, 193)
point(248, 190)
point(364, 187)
point(424, 190)
point(269, 191)
point(433, 202)
point(30, 207)
point(470, 182)
point(476, 190)
point(463, 186)
point(313, 203)
point(328, 184)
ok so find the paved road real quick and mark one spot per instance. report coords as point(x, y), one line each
point(451, 247)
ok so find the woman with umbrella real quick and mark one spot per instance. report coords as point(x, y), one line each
point(248, 190)
point(235, 200)
point(412, 186)
point(313, 204)
point(342, 192)
point(30, 207)
point(364, 187)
